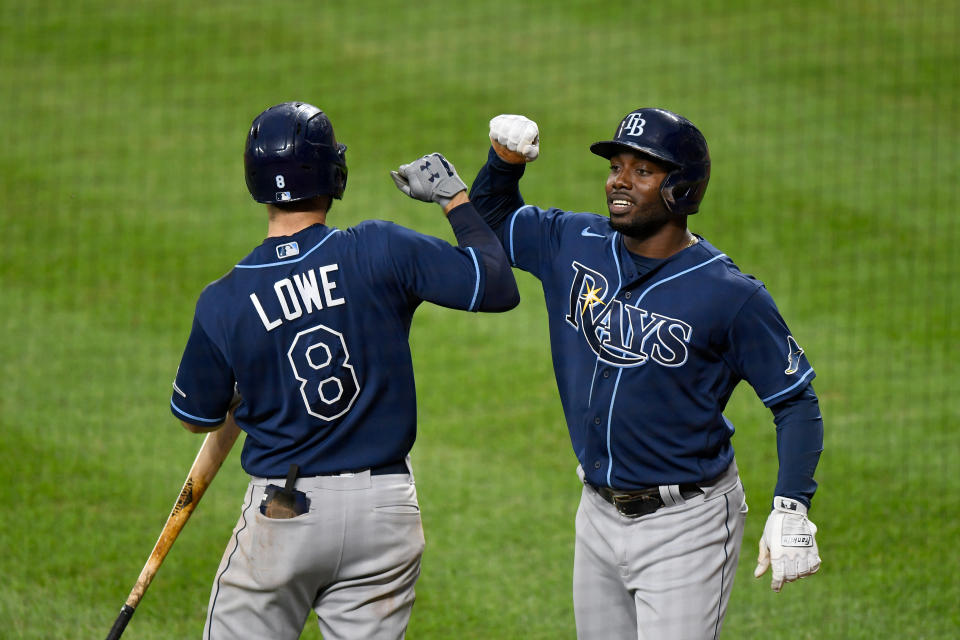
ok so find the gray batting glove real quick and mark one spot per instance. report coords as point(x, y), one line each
point(430, 179)
point(788, 545)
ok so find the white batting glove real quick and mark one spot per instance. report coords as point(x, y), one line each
point(787, 544)
point(431, 179)
point(517, 136)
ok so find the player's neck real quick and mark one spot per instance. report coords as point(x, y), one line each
point(287, 223)
point(664, 243)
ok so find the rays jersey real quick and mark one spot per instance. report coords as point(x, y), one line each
point(645, 362)
point(312, 331)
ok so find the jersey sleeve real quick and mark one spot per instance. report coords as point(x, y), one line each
point(204, 385)
point(495, 191)
point(432, 269)
point(765, 354)
point(531, 237)
point(500, 287)
point(799, 444)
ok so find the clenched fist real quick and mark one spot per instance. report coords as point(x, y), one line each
point(516, 139)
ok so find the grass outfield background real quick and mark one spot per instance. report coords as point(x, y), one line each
point(833, 129)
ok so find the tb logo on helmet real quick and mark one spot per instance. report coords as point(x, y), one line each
point(632, 125)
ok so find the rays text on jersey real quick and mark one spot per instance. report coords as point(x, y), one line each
point(624, 335)
point(305, 292)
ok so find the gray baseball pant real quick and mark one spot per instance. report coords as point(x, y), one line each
point(353, 558)
point(666, 575)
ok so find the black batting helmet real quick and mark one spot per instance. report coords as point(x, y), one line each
point(672, 139)
point(292, 155)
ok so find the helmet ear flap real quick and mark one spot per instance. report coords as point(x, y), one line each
point(339, 178)
point(672, 194)
point(339, 182)
point(683, 189)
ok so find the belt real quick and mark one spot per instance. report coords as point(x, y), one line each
point(390, 468)
point(634, 504)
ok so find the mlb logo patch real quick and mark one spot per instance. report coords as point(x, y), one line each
point(283, 196)
point(287, 250)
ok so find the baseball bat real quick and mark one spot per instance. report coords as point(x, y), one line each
point(213, 452)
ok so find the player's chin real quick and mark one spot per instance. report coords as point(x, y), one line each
point(635, 227)
point(620, 220)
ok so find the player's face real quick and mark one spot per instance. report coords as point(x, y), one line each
point(633, 195)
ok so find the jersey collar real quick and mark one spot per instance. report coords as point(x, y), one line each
point(628, 270)
point(300, 245)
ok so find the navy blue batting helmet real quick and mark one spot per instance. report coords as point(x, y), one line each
point(292, 155)
point(673, 140)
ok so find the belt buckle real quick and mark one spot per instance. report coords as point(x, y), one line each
point(635, 505)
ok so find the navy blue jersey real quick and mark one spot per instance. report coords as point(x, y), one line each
point(312, 331)
point(644, 363)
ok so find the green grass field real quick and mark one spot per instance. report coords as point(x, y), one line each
point(833, 128)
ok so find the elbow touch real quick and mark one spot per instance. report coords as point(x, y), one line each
point(504, 304)
point(501, 297)
point(513, 301)
point(509, 293)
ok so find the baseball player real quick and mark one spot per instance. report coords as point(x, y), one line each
point(651, 328)
point(305, 340)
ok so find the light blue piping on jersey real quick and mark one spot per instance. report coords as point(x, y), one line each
point(596, 365)
point(193, 417)
point(476, 286)
point(476, 267)
point(788, 389)
point(677, 275)
point(613, 398)
point(513, 220)
point(616, 259)
point(616, 385)
point(276, 264)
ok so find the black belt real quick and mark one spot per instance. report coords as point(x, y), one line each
point(387, 469)
point(634, 504)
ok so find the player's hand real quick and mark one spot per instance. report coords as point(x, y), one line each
point(788, 544)
point(431, 179)
point(516, 139)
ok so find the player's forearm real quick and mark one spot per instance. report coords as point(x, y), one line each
point(192, 428)
point(799, 445)
point(496, 191)
point(500, 287)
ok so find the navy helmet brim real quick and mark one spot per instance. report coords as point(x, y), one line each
point(609, 148)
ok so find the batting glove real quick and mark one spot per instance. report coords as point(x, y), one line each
point(431, 179)
point(788, 544)
point(516, 139)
